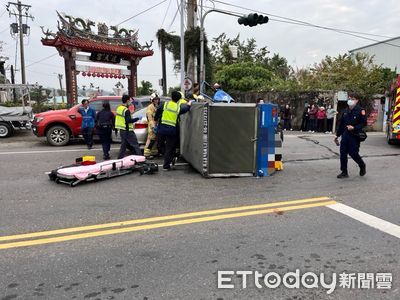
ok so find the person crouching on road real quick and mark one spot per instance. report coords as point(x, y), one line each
point(351, 123)
point(125, 124)
point(88, 122)
point(167, 115)
point(104, 126)
point(150, 148)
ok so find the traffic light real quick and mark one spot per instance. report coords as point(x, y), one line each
point(253, 20)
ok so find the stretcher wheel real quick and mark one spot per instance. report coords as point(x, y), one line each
point(154, 167)
point(141, 171)
point(57, 180)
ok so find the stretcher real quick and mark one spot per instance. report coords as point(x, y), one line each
point(77, 173)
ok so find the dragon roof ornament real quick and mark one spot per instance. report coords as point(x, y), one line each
point(72, 27)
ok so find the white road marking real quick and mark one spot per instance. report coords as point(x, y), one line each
point(367, 219)
point(52, 151)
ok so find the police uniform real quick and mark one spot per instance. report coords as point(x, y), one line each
point(124, 123)
point(350, 143)
point(105, 122)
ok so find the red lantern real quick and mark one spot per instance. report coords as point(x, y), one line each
point(83, 73)
point(102, 75)
point(119, 76)
point(107, 75)
point(123, 76)
point(89, 74)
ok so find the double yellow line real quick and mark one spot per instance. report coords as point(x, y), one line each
point(74, 233)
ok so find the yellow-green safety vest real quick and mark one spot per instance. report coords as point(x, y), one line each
point(170, 113)
point(120, 119)
point(182, 101)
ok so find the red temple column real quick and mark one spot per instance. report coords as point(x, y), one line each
point(132, 79)
point(70, 78)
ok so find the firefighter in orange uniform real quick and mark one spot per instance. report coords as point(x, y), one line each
point(150, 148)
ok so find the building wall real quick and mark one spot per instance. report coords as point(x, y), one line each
point(387, 55)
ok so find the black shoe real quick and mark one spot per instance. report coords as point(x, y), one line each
point(343, 175)
point(106, 157)
point(363, 170)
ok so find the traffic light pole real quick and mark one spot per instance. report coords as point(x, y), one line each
point(202, 67)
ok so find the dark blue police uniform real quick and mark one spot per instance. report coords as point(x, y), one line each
point(104, 126)
point(350, 143)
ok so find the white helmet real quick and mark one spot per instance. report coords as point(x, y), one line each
point(217, 85)
point(153, 96)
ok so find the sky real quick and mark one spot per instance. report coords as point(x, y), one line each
point(302, 46)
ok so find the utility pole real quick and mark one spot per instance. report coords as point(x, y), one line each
point(182, 44)
point(20, 28)
point(191, 9)
point(60, 76)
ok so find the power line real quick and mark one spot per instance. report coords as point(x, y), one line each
point(302, 23)
point(142, 12)
point(166, 12)
point(39, 61)
point(299, 22)
point(173, 20)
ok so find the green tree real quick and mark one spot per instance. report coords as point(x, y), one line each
point(145, 88)
point(346, 72)
point(192, 48)
point(251, 55)
point(244, 76)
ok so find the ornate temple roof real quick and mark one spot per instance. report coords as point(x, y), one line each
point(77, 33)
point(94, 46)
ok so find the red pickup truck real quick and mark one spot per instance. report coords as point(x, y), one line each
point(60, 126)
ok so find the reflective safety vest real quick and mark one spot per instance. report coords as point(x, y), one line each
point(120, 119)
point(170, 113)
point(182, 101)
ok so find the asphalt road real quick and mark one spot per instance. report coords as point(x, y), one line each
point(178, 256)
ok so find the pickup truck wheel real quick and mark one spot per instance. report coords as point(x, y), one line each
point(5, 130)
point(58, 135)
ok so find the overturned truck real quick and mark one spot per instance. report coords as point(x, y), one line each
point(231, 140)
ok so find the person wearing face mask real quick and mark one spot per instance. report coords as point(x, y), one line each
point(351, 124)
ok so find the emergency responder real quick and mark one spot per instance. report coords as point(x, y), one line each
point(125, 124)
point(150, 148)
point(104, 125)
point(167, 115)
point(351, 123)
point(182, 100)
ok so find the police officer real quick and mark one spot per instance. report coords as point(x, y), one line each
point(351, 123)
point(167, 115)
point(104, 125)
point(125, 124)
